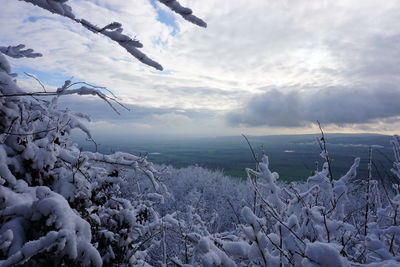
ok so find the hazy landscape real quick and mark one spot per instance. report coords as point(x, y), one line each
point(294, 157)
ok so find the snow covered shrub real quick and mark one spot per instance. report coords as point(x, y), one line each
point(60, 205)
point(329, 222)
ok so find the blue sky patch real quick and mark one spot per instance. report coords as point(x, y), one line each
point(168, 18)
point(53, 79)
point(36, 18)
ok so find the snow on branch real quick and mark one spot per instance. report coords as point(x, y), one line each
point(185, 12)
point(71, 235)
point(54, 6)
point(17, 52)
point(114, 32)
point(84, 90)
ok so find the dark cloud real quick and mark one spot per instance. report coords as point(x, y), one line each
point(370, 66)
point(331, 105)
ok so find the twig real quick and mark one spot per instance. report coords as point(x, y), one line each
point(24, 134)
point(368, 185)
point(257, 162)
point(32, 76)
point(252, 151)
point(324, 149)
point(234, 212)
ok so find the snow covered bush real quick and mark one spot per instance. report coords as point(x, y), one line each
point(325, 222)
point(60, 205)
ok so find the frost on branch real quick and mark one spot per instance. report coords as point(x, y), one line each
point(54, 6)
point(114, 32)
point(15, 52)
point(185, 12)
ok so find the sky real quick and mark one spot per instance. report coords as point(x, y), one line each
point(261, 67)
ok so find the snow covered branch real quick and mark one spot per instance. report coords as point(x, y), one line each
point(114, 32)
point(15, 52)
point(18, 52)
point(185, 12)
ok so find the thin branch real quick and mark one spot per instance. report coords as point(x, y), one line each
point(252, 150)
point(368, 188)
point(94, 86)
point(25, 134)
point(257, 162)
point(234, 211)
point(324, 149)
point(32, 76)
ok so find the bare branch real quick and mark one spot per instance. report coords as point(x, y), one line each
point(324, 150)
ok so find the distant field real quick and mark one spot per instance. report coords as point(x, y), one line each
point(294, 157)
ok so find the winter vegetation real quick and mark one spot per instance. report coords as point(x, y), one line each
point(61, 206)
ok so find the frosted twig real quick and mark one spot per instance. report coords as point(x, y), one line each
point(33, 76)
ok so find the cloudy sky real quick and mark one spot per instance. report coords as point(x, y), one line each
point(260, 67)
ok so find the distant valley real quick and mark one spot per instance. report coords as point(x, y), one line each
point(294, 157)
